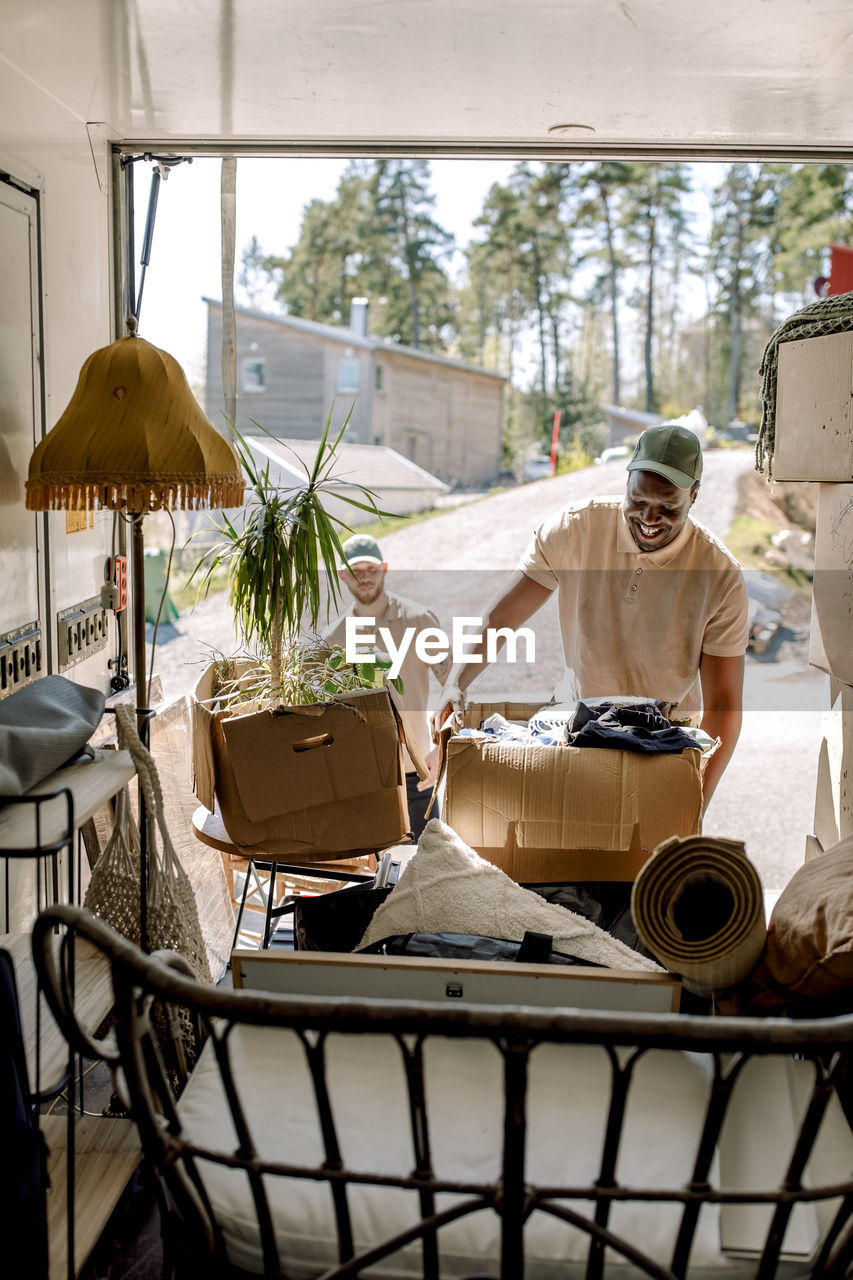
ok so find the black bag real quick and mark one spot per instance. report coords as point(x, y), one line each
point(336, 921)
point(534, 948)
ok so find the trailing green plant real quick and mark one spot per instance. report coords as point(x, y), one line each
point(282, 557)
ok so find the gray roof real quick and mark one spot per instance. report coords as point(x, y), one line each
point(349, 338)
point(375, 466)
point(630, 417)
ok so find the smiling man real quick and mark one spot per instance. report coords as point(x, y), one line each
point(650, 602)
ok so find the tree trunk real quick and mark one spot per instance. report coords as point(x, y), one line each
point(540, 327)
point(555, 346)
point(733, 399)
point(275, 659)
point(650, 316)
point(614, 296)
point(735, 330)
point(414, 302)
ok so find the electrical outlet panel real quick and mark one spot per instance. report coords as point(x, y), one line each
point(81, 631)
point(20, 658)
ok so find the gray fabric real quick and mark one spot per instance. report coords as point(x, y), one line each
point(42, 727)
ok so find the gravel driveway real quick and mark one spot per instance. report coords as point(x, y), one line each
point(455, 562)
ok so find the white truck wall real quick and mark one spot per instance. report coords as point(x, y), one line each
point(46, 148)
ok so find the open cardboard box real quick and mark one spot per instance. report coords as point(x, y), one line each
point(559, 814)
point(313, 783)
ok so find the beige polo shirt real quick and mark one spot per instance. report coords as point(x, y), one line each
point(400, 614)
point(637, 622)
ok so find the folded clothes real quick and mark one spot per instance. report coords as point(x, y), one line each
point(497, 726)
point(640, 728)
point(624, 724)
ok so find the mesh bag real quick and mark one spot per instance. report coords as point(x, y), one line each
point(113, 893)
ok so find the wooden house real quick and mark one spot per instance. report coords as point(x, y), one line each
point(442, 414)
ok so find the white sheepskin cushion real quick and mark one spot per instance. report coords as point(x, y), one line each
point(448, 888)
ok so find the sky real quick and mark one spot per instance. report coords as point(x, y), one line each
point(271, 194)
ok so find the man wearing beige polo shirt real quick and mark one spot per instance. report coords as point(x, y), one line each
point(650, 602)
point(363, 575)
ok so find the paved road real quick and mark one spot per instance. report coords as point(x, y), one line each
point(455, 562)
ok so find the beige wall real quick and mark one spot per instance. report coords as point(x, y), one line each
point(301, 384)
point(446, 420)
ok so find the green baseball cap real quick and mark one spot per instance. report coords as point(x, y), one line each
point(671, 450)
point(360, 548)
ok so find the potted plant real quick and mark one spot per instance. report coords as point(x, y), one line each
point(293, 727)
point(282, 559)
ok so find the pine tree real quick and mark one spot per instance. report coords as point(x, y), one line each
point(320, 274)
point(655, 221)
point(402, 247)
point(739, 252)
point(602, 184)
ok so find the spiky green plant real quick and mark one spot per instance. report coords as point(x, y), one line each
point(282, 560)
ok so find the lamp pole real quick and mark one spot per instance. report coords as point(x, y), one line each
point(140, 666)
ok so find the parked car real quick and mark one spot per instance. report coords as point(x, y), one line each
point(616, 451)
point(536, 468)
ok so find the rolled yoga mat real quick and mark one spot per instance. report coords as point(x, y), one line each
point(698, 906)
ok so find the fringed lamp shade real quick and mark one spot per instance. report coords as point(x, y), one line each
point(133, 437)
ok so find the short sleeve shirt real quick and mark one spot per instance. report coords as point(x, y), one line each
point(637, 622)
point(400, 614)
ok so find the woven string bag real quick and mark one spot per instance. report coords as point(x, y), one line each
point(113, 894)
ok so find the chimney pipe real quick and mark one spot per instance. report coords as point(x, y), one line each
point(358, 316)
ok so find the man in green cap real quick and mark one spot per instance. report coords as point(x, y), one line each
point(650, 602)
point(363, 574)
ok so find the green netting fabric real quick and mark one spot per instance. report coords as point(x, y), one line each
point(827, 315)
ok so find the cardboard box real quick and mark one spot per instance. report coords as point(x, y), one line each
point(312, 783)
point(831, 632)
point(814, 409)
point(566, 813)
point(833, 810)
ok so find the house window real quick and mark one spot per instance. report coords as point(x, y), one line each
point(348, 375)
point(379, 380)
point(254, 375)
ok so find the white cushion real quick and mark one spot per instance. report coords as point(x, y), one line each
point(448, 888)
point(567, 1103)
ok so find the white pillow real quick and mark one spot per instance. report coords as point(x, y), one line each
point(448, 888)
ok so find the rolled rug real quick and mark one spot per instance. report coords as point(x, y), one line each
point(698, 906)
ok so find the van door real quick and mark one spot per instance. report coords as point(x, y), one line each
point(22, 532)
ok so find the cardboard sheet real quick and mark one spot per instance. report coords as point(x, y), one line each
point(814, 409)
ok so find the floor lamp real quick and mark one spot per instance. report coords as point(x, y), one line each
point(134, 439)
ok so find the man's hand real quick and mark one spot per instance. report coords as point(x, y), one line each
point(431, 762)
point(518, 599)
point(451, 708)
